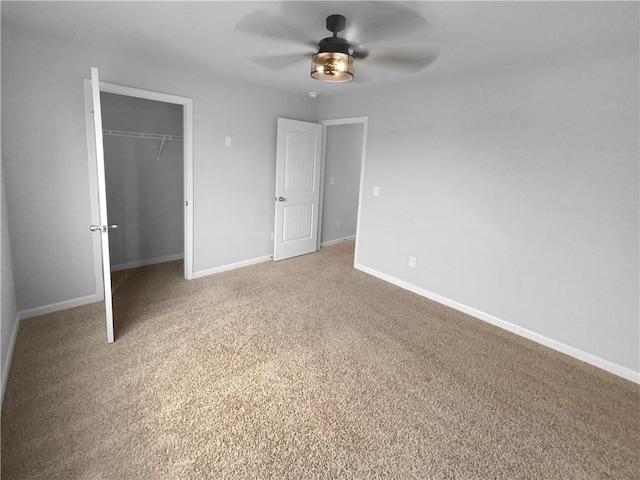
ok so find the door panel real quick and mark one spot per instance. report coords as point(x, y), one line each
point(298, 162)
point(299, 169)
point(102, 228)
point(297, 222)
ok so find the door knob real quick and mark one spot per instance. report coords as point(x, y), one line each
point(281, 199)
point(102, 228)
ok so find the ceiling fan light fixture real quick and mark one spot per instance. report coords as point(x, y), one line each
point(332, 67)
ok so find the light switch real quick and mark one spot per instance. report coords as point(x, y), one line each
point(227, 141)
point(376, 191)
point(333, 180)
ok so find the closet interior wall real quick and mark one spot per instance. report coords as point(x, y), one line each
point(144, 176)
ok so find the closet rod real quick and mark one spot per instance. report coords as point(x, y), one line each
point(155, 136)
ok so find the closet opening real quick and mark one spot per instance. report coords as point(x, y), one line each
point(143, 138)
point(144, 167)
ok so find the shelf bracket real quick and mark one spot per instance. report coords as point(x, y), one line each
point(161, 147)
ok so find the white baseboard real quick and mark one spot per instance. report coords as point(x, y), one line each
point(8, 355)
point(589, 358)
point(339, 240)
point(144, 263)
point(55, 307)
point(231, 266)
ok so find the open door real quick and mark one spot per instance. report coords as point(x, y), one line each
point(298, 161)
point(102, 228)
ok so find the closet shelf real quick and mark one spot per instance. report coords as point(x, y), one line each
point(154, 136)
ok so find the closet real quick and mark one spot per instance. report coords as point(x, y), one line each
point(143, 151)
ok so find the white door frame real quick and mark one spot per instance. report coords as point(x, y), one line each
point(187, 125)
point(343, 121)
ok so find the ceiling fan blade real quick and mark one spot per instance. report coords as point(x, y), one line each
point(278, 62)
point(264, 24)
point(411, 61)
point(387, 20)
point(360, 53)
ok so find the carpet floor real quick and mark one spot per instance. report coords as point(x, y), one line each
point(304, 368)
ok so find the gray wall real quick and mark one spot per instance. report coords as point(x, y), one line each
point(516, 189)
point(7, 291)
point(343, 157)
point(45, 154)
point(144, 193)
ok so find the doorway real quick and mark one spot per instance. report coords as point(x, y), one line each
point(318, 184)
point(344, 150)
point(186, 105)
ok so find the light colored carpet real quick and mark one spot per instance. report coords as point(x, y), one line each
point(303, 369)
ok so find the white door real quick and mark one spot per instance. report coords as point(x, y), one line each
point(102, 228)
point(298, 159)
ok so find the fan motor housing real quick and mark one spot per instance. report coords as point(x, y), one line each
point(335, 44)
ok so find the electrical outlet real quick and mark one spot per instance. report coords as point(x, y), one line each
point(338, 224)
point(412, 262)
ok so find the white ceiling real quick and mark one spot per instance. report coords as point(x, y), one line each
point(470, 35)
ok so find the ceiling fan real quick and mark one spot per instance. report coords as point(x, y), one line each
point(333, 58)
